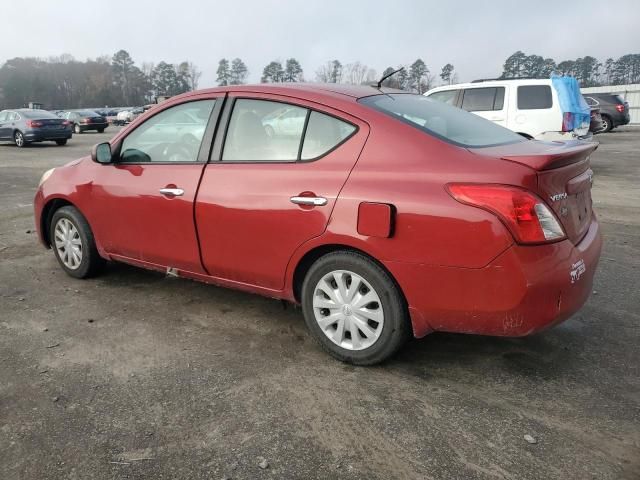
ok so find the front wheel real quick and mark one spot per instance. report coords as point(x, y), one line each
point(18, 139)
point(77, 129)
point(354, 309)
point(61, 142)
point(101, 130)
point(73, 243)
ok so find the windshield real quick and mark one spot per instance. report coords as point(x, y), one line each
point(445, 122)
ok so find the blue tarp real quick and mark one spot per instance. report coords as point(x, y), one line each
point(572, 101)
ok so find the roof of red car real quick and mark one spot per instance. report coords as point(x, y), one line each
point(354, 91)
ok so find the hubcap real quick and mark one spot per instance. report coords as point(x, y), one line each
point(19, 139)
point(348, 310)
point(68, 243)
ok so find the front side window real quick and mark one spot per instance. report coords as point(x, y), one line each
point(483, 99)
point(173, 135)
point(445, 122)
point(446, 96)
point(534, 97)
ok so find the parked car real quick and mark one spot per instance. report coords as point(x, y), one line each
point(85, 120)
point(613, 108)
point(596, 125)
point(529, 107)
point(385, 215)
point(24, 126)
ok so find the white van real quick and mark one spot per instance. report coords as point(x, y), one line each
point(528, 107)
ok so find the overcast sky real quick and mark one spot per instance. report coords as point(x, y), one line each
point(475, 36)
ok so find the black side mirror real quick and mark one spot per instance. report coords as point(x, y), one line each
point(101, 153)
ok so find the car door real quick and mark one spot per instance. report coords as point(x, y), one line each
point(5, 130)
point(486, 102)
point(263, 196)
point(537, 110)
point(144, 199)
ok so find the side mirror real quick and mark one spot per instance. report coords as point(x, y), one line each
point(101, 153)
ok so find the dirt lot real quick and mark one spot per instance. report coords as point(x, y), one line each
point(134, 375)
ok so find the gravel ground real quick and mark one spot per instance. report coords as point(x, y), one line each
point(135, 375)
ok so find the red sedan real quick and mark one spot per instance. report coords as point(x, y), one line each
point(384, 214)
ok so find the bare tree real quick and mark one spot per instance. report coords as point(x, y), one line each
point(194, 75)
point(357, 73)
point(330, 72)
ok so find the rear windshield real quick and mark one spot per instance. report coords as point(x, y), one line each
point(87, 113)
point(37, 114)
point(442, 121)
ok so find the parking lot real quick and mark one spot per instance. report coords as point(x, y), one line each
point(136, 375)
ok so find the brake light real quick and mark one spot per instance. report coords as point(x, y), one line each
point(567, 121)
point(526, 216)
point(34, 123)
point(620, 108)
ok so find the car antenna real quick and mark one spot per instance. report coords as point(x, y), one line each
point(379, 84)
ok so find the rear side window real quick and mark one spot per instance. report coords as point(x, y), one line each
point(483, 99)
point(446, 96)
point(267, 131)
point(445, 122)
point(534, 97)
point(590, 101)
point(323, 134)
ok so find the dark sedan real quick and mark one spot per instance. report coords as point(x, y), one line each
point(23, 126)
point(613, 109)
point(84, 120)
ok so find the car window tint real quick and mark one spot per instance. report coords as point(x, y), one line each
point(263, 131)
point(173, 135)
point(446, 96)
point(482, 99)
point(3, 116)
point(534, 97)
point(442, 121)
point(324, 133)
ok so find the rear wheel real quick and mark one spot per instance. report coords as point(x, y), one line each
point(77, 129)
point(101, 130)
point(73, 243)
point(62, 142)
point(354, 309)
point(607, 124)
point(18, 139)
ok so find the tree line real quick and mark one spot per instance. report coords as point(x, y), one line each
point(589, 71)
point(64, 82)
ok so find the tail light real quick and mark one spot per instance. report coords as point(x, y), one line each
point(34, 123)
point(525, 214)
point(85, 120)
point(567, 121)
point(620, 108)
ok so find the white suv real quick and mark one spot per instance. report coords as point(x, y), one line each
point(528, 107)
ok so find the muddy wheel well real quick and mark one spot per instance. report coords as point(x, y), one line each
point(47, 212)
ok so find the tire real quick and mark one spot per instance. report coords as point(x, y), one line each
point(607, 124)
point(90, 262)
point(77, 129)
point(18, 139)
point(61, 142)
point(101, 130)
point(384, 314)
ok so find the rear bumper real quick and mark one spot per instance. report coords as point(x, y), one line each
point(43, 136)
point(93, 126)
point(524, 290)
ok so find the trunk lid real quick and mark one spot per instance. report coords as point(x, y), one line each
point(564, 178)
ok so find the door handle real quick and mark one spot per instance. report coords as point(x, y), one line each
point(313, 201)
point(172, 192)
